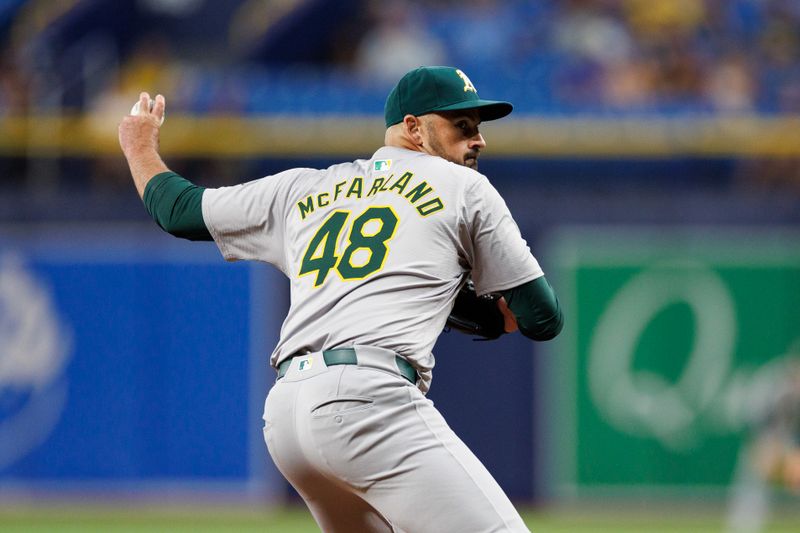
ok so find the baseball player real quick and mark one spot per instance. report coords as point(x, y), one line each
point(770, 456)
point(376, 251)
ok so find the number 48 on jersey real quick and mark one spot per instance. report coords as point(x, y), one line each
point(371, 231)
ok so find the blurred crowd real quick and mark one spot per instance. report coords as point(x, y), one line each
point(296, 57)
point(618, 55)
point(548, 56)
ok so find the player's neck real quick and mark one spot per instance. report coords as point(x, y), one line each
point(396, 137)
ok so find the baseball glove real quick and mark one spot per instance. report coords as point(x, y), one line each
point(476, 315)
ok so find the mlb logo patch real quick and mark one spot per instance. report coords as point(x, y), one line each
point(383, 165)
point(305, 364)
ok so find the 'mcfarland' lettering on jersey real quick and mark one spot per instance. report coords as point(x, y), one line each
point(419, 194)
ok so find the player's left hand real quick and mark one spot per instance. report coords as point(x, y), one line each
point(478, 315)
point(509, 320)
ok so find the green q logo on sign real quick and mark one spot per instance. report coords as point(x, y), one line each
point(677, 341)
point(645, 403)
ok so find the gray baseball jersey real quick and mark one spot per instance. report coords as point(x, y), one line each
point(375, 249)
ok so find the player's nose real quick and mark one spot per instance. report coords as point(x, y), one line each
point(477, 142)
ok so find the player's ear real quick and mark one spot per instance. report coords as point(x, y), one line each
point(413, 129)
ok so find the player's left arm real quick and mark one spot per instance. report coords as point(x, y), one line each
point(534, 308)
point(499, 253)
point(174, 202)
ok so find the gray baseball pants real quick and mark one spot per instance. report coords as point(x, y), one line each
point(369, 453)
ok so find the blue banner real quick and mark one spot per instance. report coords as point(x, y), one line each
point(130, 357)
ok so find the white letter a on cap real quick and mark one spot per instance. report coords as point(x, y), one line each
point(467, 83)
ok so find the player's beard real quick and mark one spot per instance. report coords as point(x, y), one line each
point(471, 159)
point(468, 159)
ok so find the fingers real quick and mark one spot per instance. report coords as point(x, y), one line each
point(159, 107)
point(145, 107)
point(144, 103)
point(509, 320)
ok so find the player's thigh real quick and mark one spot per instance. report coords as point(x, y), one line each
point(447, 488)
point(389, 443)
point(337, 509)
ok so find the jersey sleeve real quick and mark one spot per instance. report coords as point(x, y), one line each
point(247, 220)
point(497, 254)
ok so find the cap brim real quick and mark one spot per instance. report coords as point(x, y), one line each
point(488, 109)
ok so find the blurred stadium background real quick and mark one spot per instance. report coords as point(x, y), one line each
point(652, 162)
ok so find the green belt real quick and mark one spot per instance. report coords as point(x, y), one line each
point(347, 356)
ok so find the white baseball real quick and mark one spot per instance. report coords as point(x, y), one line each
point(135, 110)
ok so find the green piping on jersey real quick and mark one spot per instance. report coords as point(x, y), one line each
point(176, 205)
point(536, 309)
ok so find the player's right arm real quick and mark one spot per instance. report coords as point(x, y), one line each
point(174, 202)
point(138, 138)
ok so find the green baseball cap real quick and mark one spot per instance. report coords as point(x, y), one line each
point(428, 89)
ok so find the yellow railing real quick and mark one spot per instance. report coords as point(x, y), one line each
point(269, 136)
